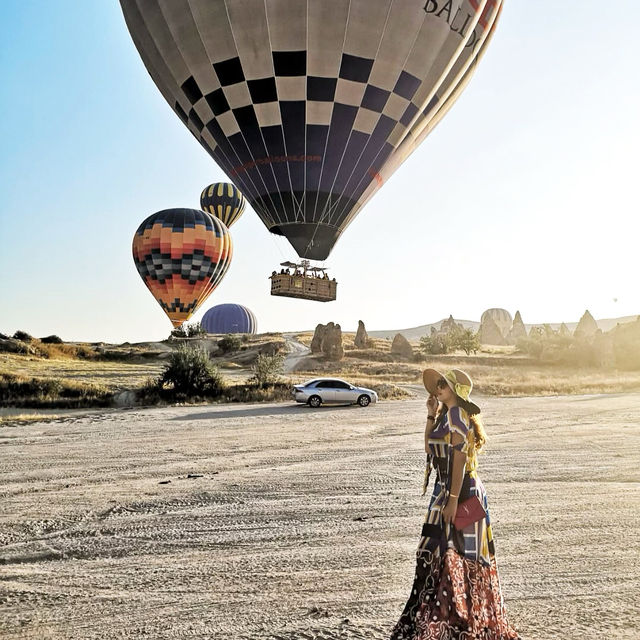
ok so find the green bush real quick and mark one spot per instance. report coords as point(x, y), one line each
point(52, 339)
point(465, 339)
point(22, 335)
point(179, 332)
point(436, 344)
point(195, 329)
point(267, 369)
point(190, 372)
point(231, 342)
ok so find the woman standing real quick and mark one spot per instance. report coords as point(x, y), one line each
point(456, 591)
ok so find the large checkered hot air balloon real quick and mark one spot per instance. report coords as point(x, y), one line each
point(181, 255)
point(308, 106)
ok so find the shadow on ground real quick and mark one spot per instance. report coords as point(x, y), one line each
point(240, 412)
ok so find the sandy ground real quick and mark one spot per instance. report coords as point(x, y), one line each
point(283, 522)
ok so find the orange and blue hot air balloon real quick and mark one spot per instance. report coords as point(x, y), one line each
point(224, 201)
point(181, 255)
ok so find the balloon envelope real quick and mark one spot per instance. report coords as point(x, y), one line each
point(181, 255)
point(309, 107)
point(224, 201)
point(229, 318)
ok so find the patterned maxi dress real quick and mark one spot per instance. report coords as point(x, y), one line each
point(456, 591)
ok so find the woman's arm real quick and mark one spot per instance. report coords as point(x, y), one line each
point(432, 407)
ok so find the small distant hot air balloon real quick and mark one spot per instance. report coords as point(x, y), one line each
point(182, 255)
point(224, 201)
point(229, 318)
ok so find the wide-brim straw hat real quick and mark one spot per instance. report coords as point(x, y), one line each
point(459, 382)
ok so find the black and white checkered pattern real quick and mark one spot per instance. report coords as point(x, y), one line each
point(307, 105)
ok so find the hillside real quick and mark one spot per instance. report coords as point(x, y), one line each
point(415, 333)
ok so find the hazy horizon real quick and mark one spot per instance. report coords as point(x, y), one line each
point(522, 198)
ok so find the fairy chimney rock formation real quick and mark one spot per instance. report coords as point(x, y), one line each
point(587, 326)
point(362, 339)
point(401, 346)
point(564, 330)
point(518, 330)
point(502, 319)
point(489, 333)
point(316, 341)
point(332, 342)
point(449, 325)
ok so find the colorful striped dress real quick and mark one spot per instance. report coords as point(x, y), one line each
point(456, 591)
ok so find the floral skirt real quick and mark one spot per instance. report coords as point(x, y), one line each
point(454, 598)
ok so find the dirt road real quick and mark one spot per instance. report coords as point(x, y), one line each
point(296, 352)
point(283, 522)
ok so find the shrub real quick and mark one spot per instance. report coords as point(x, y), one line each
point(531, 346)
point(277, 392)
point(53, 339)
point(436, 344)
point(47, 392)
point(464, 339)
point(194, 329)
point(190, 372)
point(179, 332)
point(22, 335)
point(267, 369)
point(231, 342)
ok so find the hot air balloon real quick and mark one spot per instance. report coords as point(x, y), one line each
point(229, 318)
point(224, 201)
point(308, 107)
point(182, 255)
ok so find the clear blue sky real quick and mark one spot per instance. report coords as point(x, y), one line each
point(524, 197)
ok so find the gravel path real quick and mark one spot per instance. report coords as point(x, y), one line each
point(283, 522)
point(296, 353)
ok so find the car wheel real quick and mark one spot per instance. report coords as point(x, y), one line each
point(364, 400)
point(315, 401)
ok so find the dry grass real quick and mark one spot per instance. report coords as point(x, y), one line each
point(492, 374)
point(34, 392)
point(113, 375)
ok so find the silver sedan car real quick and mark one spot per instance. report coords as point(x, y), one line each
point(332, 391)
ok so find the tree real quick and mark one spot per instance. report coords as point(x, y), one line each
point(464, 339)
point(436, 343)
point(267, 369)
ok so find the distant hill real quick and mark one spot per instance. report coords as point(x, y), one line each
point(415, 333)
